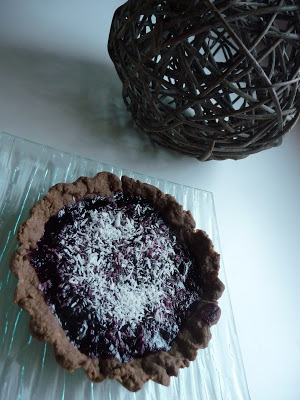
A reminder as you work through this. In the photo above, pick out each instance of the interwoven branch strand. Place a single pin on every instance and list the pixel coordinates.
(211, 79)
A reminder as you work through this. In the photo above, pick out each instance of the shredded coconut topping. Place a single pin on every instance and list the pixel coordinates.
(120, 271)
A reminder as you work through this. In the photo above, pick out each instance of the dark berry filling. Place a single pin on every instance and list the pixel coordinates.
(210, 313)
(115, 276)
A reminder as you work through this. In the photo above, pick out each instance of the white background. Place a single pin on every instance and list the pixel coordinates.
(73, 102)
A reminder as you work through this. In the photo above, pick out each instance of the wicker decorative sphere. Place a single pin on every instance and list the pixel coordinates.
(213, 79)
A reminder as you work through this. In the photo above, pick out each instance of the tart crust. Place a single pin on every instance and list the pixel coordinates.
(45, 326)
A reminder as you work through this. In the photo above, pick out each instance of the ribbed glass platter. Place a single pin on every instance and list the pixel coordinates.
(28, 369)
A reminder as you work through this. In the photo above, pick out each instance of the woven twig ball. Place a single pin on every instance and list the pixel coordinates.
(211, 79)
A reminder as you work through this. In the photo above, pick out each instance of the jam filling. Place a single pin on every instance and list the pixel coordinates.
(115, 276)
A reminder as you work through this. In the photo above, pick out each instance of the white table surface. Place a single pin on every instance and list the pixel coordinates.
(58, 87)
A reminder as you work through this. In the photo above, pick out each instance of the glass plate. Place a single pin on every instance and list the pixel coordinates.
(28, 369)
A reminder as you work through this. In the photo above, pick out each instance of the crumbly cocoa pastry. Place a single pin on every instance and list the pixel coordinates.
(115, 276)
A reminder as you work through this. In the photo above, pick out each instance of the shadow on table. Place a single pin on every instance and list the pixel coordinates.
(92, 91)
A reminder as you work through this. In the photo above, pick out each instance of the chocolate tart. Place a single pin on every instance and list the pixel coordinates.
(115, 276)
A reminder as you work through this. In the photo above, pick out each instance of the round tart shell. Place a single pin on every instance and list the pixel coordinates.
(45, 326)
